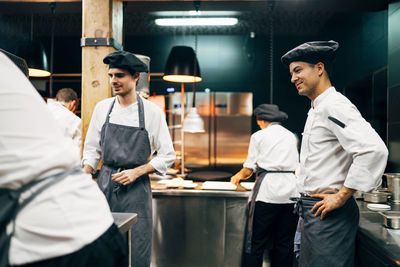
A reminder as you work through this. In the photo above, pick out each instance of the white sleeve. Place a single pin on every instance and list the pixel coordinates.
(77, 134)
(92, 149)
(251, 161)
(163, 144)
(360, 140)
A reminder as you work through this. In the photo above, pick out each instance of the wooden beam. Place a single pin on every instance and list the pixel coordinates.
(100, 19)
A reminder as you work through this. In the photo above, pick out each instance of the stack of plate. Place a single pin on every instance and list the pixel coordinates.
(378, 207)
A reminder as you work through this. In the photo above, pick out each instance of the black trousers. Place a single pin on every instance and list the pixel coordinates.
(109, 250)
(273, 229)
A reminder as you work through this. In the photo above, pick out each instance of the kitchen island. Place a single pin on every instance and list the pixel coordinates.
(194, 227)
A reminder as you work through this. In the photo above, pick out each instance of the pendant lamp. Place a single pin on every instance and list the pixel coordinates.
(182, 66)
(35, 56)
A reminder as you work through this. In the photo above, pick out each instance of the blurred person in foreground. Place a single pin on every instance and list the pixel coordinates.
(51, 212)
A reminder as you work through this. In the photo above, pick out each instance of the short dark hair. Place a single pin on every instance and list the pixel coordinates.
(66, 95)
(328, 67)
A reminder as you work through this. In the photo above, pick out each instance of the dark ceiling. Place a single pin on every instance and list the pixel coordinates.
(289, 17)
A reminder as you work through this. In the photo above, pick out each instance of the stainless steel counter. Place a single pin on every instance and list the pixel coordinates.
(377, 245)
(202, 193)
(198, 227)
(124, 221)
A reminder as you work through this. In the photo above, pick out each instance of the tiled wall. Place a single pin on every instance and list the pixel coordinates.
(394, 86)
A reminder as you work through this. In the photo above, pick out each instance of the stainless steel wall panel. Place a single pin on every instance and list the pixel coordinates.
(197, 230)
(227, 123)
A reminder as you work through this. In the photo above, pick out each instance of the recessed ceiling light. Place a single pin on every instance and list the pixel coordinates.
(197, 22)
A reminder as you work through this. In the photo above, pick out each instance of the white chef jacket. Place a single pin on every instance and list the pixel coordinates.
(348, 152)
(274, 149)
(69, 123)
(155, 124)
(66, 216)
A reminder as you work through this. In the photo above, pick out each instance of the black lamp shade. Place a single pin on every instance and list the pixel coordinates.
(35, 56)
(182, 66)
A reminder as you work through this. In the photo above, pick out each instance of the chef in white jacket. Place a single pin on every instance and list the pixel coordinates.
(131, 136)
(67, 224)
(271, 223)
(340, 153)
(63, 111)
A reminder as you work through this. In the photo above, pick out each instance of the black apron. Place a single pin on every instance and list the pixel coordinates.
(11, 204)
(329, 242)
(250, 215)
(126, 147)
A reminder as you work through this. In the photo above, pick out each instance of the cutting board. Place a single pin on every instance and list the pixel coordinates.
(212, 185)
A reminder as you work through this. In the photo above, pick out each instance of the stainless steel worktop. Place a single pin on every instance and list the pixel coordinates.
(204, 193)
(124, 221)
(383, 242)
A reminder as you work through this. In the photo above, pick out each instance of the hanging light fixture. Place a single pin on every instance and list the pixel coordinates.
(182, 66)
(35, 56)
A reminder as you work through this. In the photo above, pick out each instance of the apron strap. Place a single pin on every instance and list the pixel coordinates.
(140, 111)
(109, 111)
(261, 173)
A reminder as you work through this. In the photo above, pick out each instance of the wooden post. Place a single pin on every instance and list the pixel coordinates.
(100, 19)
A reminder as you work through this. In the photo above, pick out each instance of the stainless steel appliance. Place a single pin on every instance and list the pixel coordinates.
(227, 122)
(393, 181)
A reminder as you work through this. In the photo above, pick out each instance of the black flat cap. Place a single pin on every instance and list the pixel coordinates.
(125, 60)
(312, 52)
(270, 112)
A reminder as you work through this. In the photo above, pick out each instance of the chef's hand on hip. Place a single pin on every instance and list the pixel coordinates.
(328, 203)
(331, 202)
(126, 177)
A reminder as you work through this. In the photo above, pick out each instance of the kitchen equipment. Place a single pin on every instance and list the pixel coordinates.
(393, 182)
(376, 196)
(391, 219)
(210, 176)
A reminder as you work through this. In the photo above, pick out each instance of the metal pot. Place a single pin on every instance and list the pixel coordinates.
(391, 219)
(393, 181)
(376, 197)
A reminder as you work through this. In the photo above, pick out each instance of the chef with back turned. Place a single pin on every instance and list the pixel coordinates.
(125, 131)
(340, 153)
(271, 222)
(52, 214)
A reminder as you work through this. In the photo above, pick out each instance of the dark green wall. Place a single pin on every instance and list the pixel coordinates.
(241, 64)
(394, 87)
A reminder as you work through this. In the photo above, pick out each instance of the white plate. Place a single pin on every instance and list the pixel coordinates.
(247, 185)
(218, 186)
(378, 207)
(193, 185)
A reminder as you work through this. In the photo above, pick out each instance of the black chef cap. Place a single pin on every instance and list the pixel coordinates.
(125, 60)
(312, 52)
(270, 112)
(20, 62)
